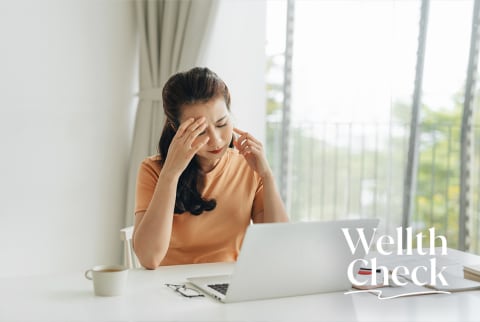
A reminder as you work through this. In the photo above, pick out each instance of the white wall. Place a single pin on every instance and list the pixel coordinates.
(236, 52)
(67, 89)
(67, 78)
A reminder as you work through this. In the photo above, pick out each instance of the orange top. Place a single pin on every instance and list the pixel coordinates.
(216, 235)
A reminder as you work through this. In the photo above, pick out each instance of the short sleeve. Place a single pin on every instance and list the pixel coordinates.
(147, 178)
(257, 206)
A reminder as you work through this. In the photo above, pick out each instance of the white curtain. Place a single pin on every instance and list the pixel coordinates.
(172, 34)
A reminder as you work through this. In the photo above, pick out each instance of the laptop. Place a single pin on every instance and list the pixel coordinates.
(289, 259)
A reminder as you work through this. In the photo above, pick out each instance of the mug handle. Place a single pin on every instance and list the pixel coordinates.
(88, 274)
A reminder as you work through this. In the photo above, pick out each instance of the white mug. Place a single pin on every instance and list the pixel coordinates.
(108, 280)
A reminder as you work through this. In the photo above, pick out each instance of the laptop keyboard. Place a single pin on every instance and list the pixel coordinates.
(221, 288)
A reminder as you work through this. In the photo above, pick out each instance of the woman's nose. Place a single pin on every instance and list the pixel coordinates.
(214, 137)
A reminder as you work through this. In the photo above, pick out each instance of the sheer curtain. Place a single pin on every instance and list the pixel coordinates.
(171, 39)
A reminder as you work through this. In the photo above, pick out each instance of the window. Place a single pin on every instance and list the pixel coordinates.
(351, 83)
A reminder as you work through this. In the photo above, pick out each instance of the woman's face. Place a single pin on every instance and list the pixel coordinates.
(219, 128)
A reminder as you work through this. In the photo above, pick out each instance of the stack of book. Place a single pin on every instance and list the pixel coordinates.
(472, 272)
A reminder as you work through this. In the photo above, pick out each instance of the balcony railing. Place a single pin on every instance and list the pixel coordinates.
(356, 170)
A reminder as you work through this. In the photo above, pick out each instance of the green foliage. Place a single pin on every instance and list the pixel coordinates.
(438, 184)
(352, 170)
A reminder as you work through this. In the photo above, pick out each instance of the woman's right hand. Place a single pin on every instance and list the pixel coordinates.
(185, 144)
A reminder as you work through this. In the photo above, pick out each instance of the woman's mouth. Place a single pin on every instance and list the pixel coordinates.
(216, 151)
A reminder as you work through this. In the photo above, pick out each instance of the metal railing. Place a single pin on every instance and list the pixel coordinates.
(356, 170)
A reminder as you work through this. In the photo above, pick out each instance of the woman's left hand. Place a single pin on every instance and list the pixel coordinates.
(252, 150)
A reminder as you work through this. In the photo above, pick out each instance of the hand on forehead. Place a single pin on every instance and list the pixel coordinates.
(213, 111)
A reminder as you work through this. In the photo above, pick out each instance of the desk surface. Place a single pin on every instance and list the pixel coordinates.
(69, 297)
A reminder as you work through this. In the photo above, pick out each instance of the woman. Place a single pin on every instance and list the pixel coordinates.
(196, 198)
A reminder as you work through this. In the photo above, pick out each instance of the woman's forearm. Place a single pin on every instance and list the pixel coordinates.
(153, 231)
(274, 209)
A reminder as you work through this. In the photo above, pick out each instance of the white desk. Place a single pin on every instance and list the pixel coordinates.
(69, 297)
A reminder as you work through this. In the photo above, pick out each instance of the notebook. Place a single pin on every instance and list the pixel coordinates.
(289, 259)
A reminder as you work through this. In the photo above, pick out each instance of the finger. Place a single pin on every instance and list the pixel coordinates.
(241, 139)
(194, 134)
(245, 136)
(238, 131)
(249, 151)
(183, 126)
(192, 126)
(243, 144)
(249, 136)
(198, 145)
(244, 149)
(236, 144)
(250, 142)
(255, 150)
(195, 125)
(253, 139)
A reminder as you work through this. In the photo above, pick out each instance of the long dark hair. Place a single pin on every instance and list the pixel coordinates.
(197, 85)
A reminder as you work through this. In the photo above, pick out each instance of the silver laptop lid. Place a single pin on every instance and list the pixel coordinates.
(289, 259)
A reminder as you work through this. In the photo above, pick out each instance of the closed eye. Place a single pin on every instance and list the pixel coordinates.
(218, 126)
